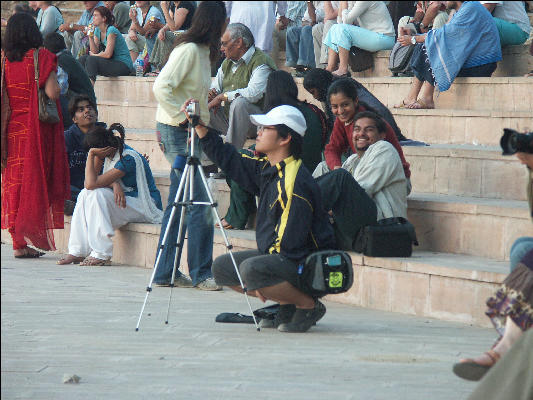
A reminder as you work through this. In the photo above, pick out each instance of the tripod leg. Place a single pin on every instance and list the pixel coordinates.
(227, 243)
(180, 240)
(163, 243)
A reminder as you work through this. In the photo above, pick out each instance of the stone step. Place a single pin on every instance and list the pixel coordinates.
(466, 170)
(516, 62)
(458, 126)
(444, 286)
(444, 223)
(495, 94)
(462, 170)
(437, 126)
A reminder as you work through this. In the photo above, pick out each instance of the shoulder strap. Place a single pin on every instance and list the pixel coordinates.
(36, 65)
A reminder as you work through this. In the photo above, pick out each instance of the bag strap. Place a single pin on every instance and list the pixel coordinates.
(36, 65)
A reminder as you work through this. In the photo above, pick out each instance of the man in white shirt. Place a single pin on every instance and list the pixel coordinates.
(370, 185)
(238, 89)
(511, 20)
(259, 17)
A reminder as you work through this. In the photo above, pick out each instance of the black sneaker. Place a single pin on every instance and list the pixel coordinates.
(284, 315)
(302, 320)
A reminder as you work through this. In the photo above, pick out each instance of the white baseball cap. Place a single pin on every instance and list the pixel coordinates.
(282, 115)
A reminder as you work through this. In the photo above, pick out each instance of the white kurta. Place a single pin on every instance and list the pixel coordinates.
(380, 173)
(259, 17)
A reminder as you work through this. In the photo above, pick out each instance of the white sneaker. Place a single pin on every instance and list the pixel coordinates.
(208, 284)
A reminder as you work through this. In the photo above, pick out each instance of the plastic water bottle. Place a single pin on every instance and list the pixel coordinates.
(139, 67)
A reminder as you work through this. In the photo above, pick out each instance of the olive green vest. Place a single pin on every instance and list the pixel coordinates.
(241, 77)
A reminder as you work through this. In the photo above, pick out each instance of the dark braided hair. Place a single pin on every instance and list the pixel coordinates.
(100, 137)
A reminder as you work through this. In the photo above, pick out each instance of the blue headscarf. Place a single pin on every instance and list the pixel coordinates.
(470, 39)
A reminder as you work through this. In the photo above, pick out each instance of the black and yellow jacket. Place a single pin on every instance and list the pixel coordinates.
(290, 218)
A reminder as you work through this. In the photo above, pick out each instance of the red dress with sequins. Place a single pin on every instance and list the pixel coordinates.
(35, 182)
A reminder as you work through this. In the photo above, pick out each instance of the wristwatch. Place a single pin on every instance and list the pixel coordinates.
(422, 26)
(71, 26)
(413, 39)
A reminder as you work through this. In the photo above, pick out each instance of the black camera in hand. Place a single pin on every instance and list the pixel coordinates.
(513, 142)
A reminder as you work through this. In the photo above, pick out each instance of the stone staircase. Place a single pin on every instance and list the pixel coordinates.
(468, 202)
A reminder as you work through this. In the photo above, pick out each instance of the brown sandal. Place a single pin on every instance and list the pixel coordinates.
(474, 371)
(225, 226)
(94, 262)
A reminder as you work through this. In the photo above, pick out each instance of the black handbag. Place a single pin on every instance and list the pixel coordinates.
(326, 272)
(390, 237)
(360, 60)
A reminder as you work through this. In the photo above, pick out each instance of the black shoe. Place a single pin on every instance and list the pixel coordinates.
(283, 316)
(302, 319)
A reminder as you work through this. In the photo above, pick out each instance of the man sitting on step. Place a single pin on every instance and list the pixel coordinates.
(239, 86)
(370, 186)
(83, 112)
(291, 222)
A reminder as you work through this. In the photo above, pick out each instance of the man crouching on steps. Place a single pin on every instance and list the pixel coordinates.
(291, 222)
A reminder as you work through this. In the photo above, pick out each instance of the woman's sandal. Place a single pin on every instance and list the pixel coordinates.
(225, 224)
(419, 105)
(403, 104)
(69, 259)
(474, 371)
(94, 262)
(28, 253)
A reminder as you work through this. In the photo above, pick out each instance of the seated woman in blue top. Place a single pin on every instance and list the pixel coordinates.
(108, 55)
(119, 188)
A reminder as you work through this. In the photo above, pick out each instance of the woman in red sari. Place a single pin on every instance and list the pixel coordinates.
(35, 174)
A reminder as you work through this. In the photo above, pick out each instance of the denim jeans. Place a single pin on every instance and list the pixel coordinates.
(299, 47)
(519, 249)
(198, 218)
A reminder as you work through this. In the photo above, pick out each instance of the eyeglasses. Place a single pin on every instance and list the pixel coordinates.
(225, 43)
(367, 129)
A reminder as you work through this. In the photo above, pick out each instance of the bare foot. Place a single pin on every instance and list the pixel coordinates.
(487, 359)
(69, 259)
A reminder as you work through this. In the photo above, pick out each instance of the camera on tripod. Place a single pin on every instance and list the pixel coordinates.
(513, 142)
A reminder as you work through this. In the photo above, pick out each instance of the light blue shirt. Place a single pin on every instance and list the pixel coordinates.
(295, 12)
(120, 52)
(153, 11)
(49, 20)
(87, 16)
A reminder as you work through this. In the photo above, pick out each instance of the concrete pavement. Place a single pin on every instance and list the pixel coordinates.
(81, 320)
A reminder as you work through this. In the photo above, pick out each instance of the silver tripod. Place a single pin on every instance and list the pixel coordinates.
(185, 198)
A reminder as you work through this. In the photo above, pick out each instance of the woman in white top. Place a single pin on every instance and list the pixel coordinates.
(49, 18)
(375, 32)
(187, 74)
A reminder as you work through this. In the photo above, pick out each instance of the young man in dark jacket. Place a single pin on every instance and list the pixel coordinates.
(291, 222)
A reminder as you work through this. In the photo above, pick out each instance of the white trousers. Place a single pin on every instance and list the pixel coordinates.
(95, 218)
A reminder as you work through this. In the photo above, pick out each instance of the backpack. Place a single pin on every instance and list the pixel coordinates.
(399, 60)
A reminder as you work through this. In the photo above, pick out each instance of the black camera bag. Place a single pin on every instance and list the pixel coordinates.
(400, 59)
(326, 272)
(390, 237)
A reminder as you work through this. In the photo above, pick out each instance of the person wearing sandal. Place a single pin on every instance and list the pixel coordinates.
(454, 50)
(35, 179)
(374, 33)
(511, 312)
(124, 192)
